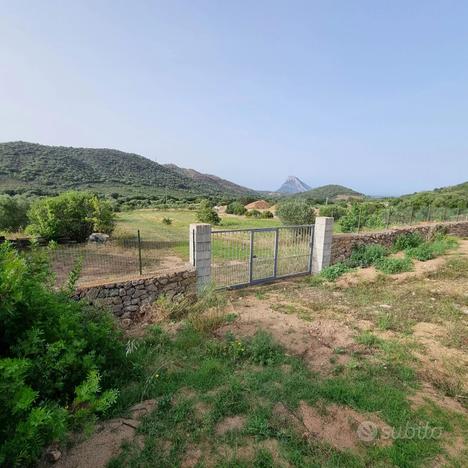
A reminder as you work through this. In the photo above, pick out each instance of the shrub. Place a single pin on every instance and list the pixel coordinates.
(13, 213)
(206, 213)
(335, 211)
(333, 272)
(394, 265)
(429, 250)
(55, 356)
(167, 221)
(422, 252)
(296, 212)
(407, 240)
(267, 214)
(236, 208)
(71, 215)
(253, 214)
(366, 255)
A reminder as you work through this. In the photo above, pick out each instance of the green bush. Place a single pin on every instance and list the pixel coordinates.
(407, 240)
(236, 208)
(333, 272)
(206, 213)
(71, 215)
(266, 215)
(429, 250)
(13, 213)
(167, 221)
(366, 255)
(394, 265)
(296, 212)
(253, 214)
(59, 359)
(335, 211)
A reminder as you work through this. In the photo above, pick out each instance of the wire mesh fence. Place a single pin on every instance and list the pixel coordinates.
(248, 256)
(363, 218)
(117, 258)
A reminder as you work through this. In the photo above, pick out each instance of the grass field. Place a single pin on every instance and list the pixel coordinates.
(150, 224)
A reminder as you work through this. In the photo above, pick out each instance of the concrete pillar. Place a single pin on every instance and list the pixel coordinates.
(321, 250)
(200, 253)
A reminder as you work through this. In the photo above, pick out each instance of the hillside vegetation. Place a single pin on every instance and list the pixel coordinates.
(39, 169)
(222, 185)
(330, 191)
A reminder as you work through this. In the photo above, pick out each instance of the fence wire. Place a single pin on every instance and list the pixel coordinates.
(116, 259)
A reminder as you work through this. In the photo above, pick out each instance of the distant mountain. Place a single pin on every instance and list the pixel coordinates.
(41, 169)
(331, 192)
(293, 185)
(216, 182)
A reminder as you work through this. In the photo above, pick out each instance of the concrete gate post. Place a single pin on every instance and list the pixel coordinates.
(200, 253)
(321, 250)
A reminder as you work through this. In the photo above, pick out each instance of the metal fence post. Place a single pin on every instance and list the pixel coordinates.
(251, 256)
(200, 253)
(275, 267)
(139, 254)
(321, 250)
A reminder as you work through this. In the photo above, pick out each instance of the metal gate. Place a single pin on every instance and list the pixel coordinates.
(249, 256)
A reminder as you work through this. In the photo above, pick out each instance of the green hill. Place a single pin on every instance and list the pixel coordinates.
(331, 192)
(40, 169)
(222, 185)
(451, 197)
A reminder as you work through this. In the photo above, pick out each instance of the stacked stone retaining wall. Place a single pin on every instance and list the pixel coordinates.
(343, 244)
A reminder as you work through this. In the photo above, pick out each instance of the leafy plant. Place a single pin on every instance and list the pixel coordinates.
(266, 214)
(296, 212)
(71, 215)
(50, 345)
(366, 255)
(236, 208)
(167, 221)
(253, 214)
(407, 240)
(13, 213)
(333, 272)
(394, 265)
(206, 214)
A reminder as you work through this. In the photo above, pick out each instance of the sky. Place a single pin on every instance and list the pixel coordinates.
(369, 94)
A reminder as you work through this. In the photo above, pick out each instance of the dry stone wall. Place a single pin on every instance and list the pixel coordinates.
(343, 244)
(126, 298)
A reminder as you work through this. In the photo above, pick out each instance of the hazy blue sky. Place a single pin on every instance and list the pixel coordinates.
(369, 94)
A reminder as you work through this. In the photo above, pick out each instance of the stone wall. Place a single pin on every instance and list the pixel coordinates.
(343, 244)
(126, 298)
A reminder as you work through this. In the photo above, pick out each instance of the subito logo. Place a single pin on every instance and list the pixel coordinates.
(367, 431)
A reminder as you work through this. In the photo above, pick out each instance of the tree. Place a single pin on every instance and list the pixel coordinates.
(206, 213)
(13, 213)
(236, 208)
(71, 215)
(295, 212)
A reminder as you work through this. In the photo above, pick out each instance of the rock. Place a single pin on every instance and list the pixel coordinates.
(53, 454)
(98, 237)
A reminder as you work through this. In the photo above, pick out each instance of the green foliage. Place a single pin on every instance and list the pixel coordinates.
(206, 214)
(431, 249)
(329, 191)
(407, 240)
(296, 212)
(53, 350)
(236, 208)
(266, 214)
(366, 255)
(359, 215)
(167, 221)
(394, 265)
(332, 210)
(333, 272)
(13, 213)
(253, 214)
(48, 170)
(71, 215)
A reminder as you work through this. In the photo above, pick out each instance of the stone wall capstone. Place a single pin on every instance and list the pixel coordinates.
(126, 298)
(343, 244)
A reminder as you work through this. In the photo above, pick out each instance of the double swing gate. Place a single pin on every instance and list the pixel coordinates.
(250, 256)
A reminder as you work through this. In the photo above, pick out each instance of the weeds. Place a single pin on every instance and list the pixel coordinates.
(393, 266)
